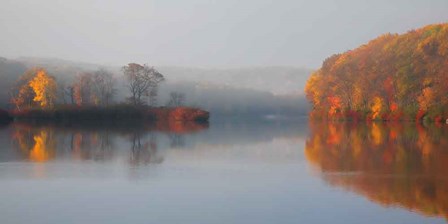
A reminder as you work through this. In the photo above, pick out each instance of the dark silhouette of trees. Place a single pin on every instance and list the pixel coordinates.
(83, 89)
(97, 88)
(103, 87)
(141, 80)
(176, 99)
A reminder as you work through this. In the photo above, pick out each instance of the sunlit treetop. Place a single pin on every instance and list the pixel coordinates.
(391, 77)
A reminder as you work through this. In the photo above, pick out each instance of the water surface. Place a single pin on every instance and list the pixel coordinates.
(230, 172)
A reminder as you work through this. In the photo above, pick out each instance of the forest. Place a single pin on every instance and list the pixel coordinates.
(253, 92)
(90, 97)
(393, 77)
(38, 89)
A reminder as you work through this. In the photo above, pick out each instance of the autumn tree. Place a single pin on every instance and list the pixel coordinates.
(391, 77)
(93, 88)
(45, 89)
(34, 88)
(83, 89)
(141, 79)
(21, 94)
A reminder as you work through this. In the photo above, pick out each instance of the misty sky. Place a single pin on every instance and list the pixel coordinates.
(205, 33)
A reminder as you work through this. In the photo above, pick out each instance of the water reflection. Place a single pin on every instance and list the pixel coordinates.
(44, 142)
(403, 165)
(144, 152)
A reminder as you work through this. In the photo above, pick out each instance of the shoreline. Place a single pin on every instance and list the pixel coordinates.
(118, 114)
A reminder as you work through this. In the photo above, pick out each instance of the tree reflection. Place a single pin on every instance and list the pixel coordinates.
(402, 165)
(35, 145)
(176, 140)
(44, 142)
(40, 144)
(43, 148)
(97, 145)
(144, 153)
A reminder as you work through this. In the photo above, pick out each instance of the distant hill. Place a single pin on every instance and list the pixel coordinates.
(227, 100)
(10, 70)
(391, 77)
(278, 80)
(62, 69)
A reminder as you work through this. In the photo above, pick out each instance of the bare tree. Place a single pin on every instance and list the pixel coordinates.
(69, 91)
(104, 86)
(65, 93)
(176, 99)
(154, 90)
(83, 89)
(152, 96)
(141, 79)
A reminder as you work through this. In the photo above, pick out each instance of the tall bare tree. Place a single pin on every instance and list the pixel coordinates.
(69, 91)
(104, 86)
(83, 89)
(176, 99)
(141, 79)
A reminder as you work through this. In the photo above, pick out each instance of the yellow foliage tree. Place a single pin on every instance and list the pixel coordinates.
(44, 87)
(377, 106)
(393, 77)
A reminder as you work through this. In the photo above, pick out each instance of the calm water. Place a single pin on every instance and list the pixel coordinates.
(230, 172)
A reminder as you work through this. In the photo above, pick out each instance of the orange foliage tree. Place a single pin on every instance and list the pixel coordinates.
(35, 88)
(45, 88)
(391, 77)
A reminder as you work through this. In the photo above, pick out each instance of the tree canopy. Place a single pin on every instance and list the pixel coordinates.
(391, 77)
(34, 88)
(44, 87)
(143, 81)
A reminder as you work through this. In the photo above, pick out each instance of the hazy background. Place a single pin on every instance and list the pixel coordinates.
(204, 33)
(226, 56)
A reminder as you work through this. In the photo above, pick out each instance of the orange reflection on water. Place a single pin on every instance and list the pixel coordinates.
(404, 165)
(44, 142)
(36, 145)
(43, 148)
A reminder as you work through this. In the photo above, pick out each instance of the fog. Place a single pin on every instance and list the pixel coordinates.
(253, 92)
(228, 57)
(204, 33)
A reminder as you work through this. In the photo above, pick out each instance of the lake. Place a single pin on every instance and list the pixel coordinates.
(259, 171)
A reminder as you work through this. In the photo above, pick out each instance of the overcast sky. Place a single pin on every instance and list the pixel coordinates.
(205, 33)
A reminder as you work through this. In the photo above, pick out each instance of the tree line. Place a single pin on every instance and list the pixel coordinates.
(36, 88)
(393, 77)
